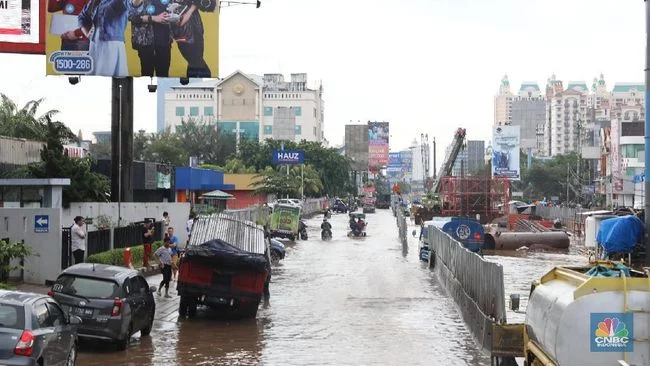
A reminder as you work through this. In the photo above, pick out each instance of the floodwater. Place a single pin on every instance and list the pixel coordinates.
(366, 301)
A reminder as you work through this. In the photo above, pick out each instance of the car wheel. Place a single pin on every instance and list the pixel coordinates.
(122, 344)
(72, 356)
(183, 306)
(191, 310)
(275, 256)
(147, 330)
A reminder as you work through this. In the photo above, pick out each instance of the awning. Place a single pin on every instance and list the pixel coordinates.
(217, 195)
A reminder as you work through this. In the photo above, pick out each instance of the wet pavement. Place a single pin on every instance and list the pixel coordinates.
(366, 301)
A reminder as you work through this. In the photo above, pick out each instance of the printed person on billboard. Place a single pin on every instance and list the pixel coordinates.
(151, 36)
(104, 23)
(187, 30)
(72, 39)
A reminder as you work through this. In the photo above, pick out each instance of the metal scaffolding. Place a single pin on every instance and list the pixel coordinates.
(471, 196)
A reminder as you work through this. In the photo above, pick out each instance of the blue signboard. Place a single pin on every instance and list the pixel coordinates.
(394, 160)
(288, 157)
(41, 223)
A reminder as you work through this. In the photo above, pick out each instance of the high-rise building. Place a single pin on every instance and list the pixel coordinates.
(529, 112)
(292, 104)
(356, 146)
(503, 103)
(251, 106)
(566, 116)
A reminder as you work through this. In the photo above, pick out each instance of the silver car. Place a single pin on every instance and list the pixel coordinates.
(35, 331)
(113, 302)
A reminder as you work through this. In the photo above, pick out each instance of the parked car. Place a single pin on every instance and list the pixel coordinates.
(34, 330)
(277, 250)
(287, 201)
(113, 302)
(340, 206)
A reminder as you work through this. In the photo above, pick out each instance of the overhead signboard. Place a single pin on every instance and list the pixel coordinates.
(506, 142)
(125, 38)
(288, 157)
(21, 26)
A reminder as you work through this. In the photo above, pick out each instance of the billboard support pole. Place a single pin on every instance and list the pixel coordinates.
(122, 140)
(647, 135)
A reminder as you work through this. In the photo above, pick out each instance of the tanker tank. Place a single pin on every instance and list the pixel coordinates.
(576, 319)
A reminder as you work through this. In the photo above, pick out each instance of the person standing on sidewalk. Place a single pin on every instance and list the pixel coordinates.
(78, 240)
(165, 258)
(174, 249)
(147, 241)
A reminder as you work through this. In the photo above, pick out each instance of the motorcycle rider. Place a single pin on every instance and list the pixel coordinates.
(326, 225)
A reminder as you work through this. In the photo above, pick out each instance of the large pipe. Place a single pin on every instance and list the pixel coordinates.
(516, 240)
(647, 132)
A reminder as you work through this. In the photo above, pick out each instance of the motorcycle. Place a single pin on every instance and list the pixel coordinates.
(328, 214)
(326, 234)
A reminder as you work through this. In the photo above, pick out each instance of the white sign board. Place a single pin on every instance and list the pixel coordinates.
(19, 21)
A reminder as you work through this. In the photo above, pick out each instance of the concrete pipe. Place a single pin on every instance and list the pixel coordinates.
(516, 240)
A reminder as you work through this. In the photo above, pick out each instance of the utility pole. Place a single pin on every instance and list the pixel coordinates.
(567, 182)
(647, 133)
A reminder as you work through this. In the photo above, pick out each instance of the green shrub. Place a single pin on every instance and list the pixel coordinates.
(6, 286)
(116, 256)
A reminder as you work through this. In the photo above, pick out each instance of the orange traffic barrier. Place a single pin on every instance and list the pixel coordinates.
(127, 258)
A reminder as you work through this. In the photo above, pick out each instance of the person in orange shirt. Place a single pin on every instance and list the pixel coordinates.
(73, 40)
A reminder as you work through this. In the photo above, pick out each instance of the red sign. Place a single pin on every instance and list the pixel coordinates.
(370, 189)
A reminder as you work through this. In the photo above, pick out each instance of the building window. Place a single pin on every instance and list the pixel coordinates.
(194, 111)
(298, 130)
(633, 151)
(630, 171)
(268, 130)
(180, 111)
(268, 111)
(298, 111)
(208, 111)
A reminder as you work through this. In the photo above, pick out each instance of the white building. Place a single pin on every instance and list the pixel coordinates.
(566, 116)
(292, 111)
(503, 104)
(251, 106)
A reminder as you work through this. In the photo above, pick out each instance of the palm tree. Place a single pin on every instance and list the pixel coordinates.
(25, 122)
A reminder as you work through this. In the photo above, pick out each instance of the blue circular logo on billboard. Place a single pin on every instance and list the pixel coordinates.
(164, 2)
(151, 9)
(69, 8)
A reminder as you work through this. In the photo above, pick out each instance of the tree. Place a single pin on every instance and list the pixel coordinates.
(25, 123)
(233, 166)
(85, 186)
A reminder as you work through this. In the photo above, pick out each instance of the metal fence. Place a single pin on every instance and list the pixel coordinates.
(565, 214)
(475, 284)
(128, 236)
(260, 214)
(243, 234)
(98, 241)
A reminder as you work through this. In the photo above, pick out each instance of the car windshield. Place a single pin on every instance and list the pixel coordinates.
(87, 287)
(12, 316)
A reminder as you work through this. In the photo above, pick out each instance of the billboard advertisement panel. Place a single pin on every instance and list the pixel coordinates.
(119, 38)
(288, 157)
(506, 145)
(394, 160)
(21, 26)
(377, 145)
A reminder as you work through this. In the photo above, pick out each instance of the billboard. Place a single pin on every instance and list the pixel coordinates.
(288, 157)
(506, 145)
(394, 160)
(377, 145)
(119, 38)
(21, 26)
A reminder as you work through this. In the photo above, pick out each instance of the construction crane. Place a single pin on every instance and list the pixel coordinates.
(432, 202)
(448, 164)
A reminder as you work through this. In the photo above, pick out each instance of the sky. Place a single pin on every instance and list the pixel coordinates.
(426, 66)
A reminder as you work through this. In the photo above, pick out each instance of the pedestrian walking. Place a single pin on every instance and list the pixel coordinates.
(175, 251)
(78, 240)
(164, 256)
(147, 241)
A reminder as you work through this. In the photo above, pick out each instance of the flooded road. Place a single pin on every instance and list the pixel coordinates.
(343, 302)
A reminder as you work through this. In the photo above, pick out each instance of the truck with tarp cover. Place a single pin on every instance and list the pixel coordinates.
(226, 265)
(285, 222)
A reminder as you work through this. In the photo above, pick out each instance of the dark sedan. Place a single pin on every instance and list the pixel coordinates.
(114, 302)
(34, 330)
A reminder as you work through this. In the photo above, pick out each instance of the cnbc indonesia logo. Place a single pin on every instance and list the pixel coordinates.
(612, 332)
